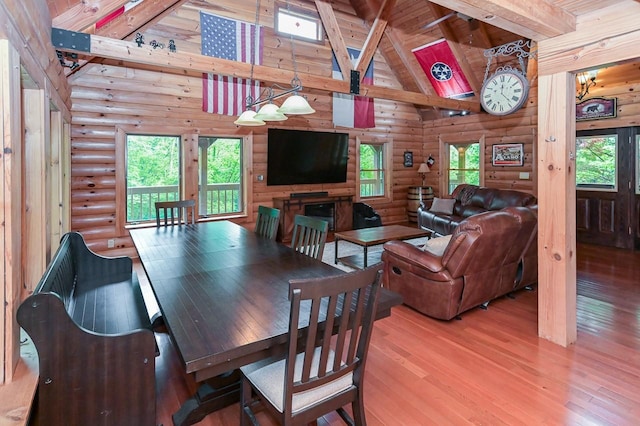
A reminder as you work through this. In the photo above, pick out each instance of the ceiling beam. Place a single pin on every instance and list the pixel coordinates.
(86, 13)
(373, 38)
(182, 62)
(533, 19)
(339, 47)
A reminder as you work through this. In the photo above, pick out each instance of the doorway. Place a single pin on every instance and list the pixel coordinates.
(607, 187)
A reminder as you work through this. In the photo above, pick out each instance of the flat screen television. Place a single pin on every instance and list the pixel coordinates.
(306, 157)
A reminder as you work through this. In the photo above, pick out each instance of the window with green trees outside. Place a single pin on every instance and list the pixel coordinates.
(372, 173)
(464, 164)
(596, 161)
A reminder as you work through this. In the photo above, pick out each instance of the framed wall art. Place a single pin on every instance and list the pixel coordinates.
(508, 154)
(596, 109)
(408, 159)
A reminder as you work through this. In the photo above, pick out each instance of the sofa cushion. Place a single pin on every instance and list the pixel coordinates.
(437, 245)
(442, 205)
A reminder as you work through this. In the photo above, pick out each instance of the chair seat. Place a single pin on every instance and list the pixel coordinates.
(270, 379)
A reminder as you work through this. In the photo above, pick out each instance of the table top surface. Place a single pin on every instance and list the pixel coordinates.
(380, 234)
(223, 290)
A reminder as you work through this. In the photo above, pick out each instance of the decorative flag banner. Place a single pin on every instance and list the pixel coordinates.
(119, 11)
(353, 111)
(236, 41)
(440, 64)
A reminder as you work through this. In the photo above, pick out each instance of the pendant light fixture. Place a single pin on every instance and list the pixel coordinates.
(293, 105)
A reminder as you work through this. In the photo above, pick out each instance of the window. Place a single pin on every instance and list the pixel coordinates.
(464, 164)
(373, 163)
(298, 25)
(152, 174)
(596, 161)
(220, 176)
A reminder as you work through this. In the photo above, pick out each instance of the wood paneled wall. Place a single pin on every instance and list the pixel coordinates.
(107, 97)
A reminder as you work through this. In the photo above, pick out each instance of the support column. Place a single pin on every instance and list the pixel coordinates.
(557, 209)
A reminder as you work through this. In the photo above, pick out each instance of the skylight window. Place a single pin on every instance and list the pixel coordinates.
(298, 25)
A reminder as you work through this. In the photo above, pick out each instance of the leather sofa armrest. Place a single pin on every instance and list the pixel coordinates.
(414, 255)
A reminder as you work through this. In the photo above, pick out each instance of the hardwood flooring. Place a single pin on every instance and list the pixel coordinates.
(490, 368)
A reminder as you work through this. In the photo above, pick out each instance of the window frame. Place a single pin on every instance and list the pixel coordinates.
(303, 14)
(189, 172)
(445, 160)
(597, 187)
(387, 152)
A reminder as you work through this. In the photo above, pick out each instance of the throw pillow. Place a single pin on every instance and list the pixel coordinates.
(437, 245)
(442, 205)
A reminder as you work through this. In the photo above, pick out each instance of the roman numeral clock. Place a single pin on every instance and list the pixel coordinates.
(504, 92)
(507, 89)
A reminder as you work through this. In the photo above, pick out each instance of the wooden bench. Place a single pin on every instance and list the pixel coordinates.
(96, 349)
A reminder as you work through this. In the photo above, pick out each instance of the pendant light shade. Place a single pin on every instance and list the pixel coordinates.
(248, 118)
(269, 112)
(296, 105)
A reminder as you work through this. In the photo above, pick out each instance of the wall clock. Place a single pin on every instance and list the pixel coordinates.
(504, 92)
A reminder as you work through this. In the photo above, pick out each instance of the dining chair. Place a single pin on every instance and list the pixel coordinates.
(309, 235)
(267, 222)
(323, 369)
(175, 210)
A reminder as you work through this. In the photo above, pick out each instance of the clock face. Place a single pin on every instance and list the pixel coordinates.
(504, 92)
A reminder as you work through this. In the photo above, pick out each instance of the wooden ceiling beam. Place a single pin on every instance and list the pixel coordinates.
(331, 27)
(86, 13)
(533, 19)
(182, 62)
(373, 38)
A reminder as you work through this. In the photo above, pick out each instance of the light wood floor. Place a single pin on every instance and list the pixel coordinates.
(490, 368)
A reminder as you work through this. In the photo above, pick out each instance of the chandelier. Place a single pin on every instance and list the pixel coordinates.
(293, 105)
(586, 79)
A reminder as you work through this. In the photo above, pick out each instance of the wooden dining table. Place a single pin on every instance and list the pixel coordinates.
(223, 295)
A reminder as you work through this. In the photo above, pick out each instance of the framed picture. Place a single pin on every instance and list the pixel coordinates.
(508, 154)
(596, 109)
(408, 159)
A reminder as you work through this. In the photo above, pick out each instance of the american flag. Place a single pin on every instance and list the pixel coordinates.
(237, 41)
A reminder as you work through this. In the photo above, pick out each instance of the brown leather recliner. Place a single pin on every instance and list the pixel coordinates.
(469, 273)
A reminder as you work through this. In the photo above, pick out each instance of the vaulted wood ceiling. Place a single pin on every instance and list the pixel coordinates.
(393, 27)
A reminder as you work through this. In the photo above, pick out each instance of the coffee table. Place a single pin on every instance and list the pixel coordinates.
(367, 237)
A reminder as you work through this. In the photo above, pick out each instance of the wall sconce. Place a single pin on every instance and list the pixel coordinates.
(423, 170)
(586, 79)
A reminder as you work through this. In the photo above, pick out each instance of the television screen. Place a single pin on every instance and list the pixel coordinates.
(303, 157)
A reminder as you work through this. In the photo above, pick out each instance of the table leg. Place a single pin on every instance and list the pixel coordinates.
(212, 395)
(365, 257)
(335, 252)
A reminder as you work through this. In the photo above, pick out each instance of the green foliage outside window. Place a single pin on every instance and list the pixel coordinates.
(371, 170)
(152, 162)
(596, 161)
(464, 165)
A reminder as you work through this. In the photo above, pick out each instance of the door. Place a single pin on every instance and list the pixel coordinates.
(606, 187)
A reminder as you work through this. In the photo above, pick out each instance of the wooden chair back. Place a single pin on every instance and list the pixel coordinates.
(309, 236)
(340, 313)
(175, 211)
(267, 222)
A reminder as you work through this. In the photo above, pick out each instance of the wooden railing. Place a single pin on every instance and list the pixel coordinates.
(221, 198)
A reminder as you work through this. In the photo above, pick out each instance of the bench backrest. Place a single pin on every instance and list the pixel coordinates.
(60, 275)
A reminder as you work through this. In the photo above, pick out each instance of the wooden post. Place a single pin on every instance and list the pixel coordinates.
(36, 148)
(10, 213)
(557, 209)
